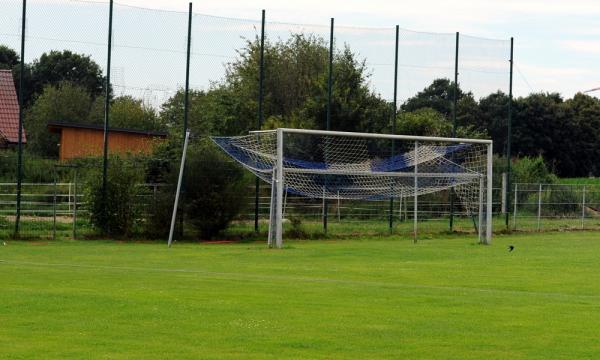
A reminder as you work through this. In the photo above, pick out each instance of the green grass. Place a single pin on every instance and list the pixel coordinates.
(366, 298)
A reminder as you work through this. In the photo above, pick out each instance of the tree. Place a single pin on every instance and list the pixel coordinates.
(8, 58)
(57, 66)
(295, 89)
(493, 118)
(438, 96)
(584, 145)
(429, 122)
(540, 125)
(127, 112)
(66, 102)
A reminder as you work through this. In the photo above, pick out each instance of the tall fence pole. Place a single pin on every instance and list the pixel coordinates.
(186, 106)
(261, 78)
(509, 130)
(20, 140)
(107, 106)
(454, 102)
(394, 114)
(329, 92)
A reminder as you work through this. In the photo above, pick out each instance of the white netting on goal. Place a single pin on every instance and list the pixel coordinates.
(369, 168)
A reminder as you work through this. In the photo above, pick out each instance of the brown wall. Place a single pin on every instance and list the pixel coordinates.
(77, 143)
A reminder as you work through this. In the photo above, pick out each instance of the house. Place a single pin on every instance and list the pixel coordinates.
(77, 141)
(9, 111)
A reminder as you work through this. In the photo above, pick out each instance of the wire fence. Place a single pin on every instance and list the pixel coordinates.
(60, 210)
(289, 65)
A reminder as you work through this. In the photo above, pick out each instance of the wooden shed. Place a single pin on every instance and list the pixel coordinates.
(77, 141)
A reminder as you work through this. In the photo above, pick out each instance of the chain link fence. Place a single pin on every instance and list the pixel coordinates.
(288, 63)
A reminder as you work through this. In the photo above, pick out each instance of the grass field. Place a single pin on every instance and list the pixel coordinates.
(366, 298)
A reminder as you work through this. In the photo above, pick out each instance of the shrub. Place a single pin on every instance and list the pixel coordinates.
(215, 190)
(118, 213)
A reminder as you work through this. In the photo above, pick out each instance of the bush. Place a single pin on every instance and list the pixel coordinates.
(529, 170)
(119, 212)
(215, 190)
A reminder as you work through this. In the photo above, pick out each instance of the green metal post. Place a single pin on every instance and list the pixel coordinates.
(394, 114)
(454, 104)
(509, 135)
(330, 77)
(260, 110)
(107, 105)
(329, 92)
(20, 141)
(187, 73)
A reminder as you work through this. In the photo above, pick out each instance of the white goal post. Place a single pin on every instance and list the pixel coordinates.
(350, 165)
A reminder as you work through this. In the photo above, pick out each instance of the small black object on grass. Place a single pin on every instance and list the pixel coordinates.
(510, 248)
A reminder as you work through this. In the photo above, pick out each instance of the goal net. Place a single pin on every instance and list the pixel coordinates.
(362, 166)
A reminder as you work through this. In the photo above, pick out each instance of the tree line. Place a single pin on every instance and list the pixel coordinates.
(69, 87)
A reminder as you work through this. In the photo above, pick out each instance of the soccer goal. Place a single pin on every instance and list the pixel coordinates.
(363, 166)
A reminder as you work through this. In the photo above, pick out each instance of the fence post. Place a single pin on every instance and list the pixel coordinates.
(324, 210)
(339, 211)
(539, 215)
(54, 208)
(515, 209)
(583, 209)
(503, 195)
(75, 206)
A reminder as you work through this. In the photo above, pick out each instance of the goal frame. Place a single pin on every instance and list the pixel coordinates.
(275, 238)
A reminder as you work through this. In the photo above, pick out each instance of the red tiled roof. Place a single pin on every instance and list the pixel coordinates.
(9, 108)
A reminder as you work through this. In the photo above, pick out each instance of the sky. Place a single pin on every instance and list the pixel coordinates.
(556, 43)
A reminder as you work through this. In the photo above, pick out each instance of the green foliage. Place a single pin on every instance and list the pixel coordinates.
(214, 194)
(65, 102)
(118, 212)
(295, 87)
(8, 57)
(129, 113)
(429, 122)
(524, 170)
(56, 67)
(35, 168)
(296, 230)
(532, 171)
(438, 96)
